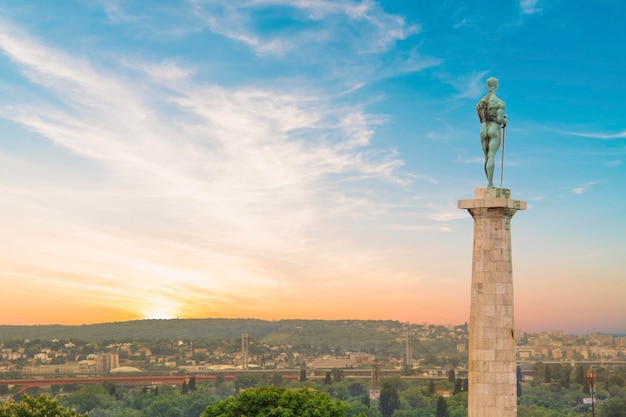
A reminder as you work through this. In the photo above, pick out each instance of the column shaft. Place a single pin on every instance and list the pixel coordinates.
(492, 363)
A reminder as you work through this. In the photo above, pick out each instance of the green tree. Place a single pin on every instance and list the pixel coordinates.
(400, 383)
(565, 380)
(415, 398)
(458, 386)
(442, 408)
(614, 407)
(341, 392)
(327, 378)
(277, 380)
(457, 405)
(278, 402)
(57, 361)
(432, 388)
(581, 375)
(192, 383)
(129, 412)
(538, 373)
(41, 406)
(616, 380)
(164, 406)
(195, 403)
(358, 409)
(302, 376)
(547, 375)
(389, 399)
(451, 375)
(337, 374)
(565, 375)
(245, 381)
(219, 378)
(356, 389)
(89, 397)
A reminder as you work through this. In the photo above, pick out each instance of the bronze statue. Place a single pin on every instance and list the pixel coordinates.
(492, 123)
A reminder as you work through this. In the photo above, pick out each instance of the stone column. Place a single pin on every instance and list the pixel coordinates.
(492, 364)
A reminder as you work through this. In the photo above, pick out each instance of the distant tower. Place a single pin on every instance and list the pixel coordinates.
(492, 368)
(409, 347)
(245, 345)
(375, 391)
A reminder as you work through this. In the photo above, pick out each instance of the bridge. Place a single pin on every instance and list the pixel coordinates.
(179, 379)
(121, 380)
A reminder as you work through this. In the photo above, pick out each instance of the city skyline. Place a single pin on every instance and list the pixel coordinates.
(280, 159)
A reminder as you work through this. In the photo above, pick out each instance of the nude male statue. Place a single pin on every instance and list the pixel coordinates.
(492, 120)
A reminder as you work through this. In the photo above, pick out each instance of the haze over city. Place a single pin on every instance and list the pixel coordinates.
(303, 159)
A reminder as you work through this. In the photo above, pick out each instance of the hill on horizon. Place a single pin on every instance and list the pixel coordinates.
(348, 333)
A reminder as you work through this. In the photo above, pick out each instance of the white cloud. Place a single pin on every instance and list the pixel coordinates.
(162, 71)
(446, 216)
(472, 86)
(595, 135)
(462, 23)
(529, 6)
(373, 30)
(116, 14)
(205, 186)
(469, 85)
(584, 187)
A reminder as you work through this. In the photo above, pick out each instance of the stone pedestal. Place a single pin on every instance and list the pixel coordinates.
(492, 364)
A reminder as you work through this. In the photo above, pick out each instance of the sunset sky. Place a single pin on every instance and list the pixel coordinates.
(304, 158)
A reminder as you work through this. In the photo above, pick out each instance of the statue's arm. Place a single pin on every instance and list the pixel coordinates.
(501, 118)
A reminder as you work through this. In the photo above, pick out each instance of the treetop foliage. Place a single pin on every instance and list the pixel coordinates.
(278, 402)
(41, 406)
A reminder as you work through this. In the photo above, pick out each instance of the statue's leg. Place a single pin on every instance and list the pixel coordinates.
(484, 141)
(494, 145)
(484, 138)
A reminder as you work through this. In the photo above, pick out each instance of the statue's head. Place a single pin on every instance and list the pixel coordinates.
(492, 83)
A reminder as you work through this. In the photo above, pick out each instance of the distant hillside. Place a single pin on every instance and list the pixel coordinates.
(139, 330)
(362, 334)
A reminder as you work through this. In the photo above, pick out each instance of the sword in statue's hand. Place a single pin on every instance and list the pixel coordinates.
(502, 171)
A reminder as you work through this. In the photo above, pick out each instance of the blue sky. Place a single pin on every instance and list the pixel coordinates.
(304, 158)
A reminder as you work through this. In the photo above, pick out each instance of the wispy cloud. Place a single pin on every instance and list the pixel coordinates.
(615, 163)
(584, 187)
(595, 135)
(162, 71)
(470, 160)
(529, 6)
(116, 13)
(207, 188)
(462, 23)
(410, 63)
(448, 215)
(469, 85)
(371, 29)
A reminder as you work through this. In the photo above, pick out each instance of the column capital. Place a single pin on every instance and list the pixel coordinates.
(492, 198)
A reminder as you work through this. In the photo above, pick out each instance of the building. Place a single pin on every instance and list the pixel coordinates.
(107, 361)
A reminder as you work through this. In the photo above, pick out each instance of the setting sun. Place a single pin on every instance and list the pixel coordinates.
(160, 309)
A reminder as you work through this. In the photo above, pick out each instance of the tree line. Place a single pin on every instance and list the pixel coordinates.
(556, 390)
